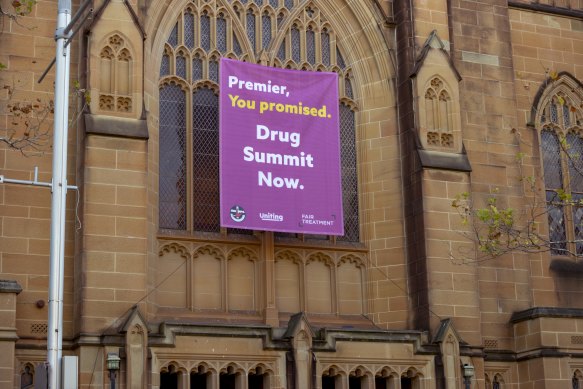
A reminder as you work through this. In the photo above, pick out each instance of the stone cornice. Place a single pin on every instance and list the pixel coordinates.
(555, 312)
(549, 9)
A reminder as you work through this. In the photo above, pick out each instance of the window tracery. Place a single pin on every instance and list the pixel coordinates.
(115, 72)
(438, 115)
(188, 98)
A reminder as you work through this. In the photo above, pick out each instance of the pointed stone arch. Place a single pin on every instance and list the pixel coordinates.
(115, 82)
(289, 281)
(436, 94)
(563, 84)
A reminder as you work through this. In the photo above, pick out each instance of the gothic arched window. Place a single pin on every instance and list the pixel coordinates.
(438, 114)
(115, 72)
(560, 119)
(577, 379)
(282, 34)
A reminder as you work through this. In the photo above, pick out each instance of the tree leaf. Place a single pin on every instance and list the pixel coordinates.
(554, 75)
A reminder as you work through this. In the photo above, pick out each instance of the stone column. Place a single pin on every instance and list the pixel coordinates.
(8, 292)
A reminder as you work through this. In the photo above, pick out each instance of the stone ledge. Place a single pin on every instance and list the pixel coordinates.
(549, 9)
(533, 313)
(446, 161)
(567, 267)
(8, 334)
(115, 126)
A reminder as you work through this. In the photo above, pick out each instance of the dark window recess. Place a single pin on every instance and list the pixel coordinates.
(406, 383)
(168, 381)
(380, 383)
(227, 381)
(328, 382)
(198, 381)
(255, 381)
(354, 382)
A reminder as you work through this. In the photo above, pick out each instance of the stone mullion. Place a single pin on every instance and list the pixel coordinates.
(213, 26)
(189, 160)
(224, 285)
(287, 42)
(567, 207)
(184, 381)
(363, 288)
(114, 79)
(341, 381)
(269, 284)
(333, 59)
(318, 44)
(303, 45)
(189, 285)
(241, 381)
(367, 382)
(302, 274)
(214, 380)
(229, 33)
(180, 29)
(334, 287)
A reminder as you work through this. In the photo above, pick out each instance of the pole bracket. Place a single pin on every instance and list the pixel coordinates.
(61, 33)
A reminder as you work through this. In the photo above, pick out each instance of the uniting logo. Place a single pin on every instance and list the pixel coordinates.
(237, 213)
(270, 217)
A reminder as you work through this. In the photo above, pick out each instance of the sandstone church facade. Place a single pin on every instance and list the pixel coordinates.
(438, 98)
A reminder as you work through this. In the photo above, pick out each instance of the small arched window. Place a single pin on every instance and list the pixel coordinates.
(577, 379)
(170, 378)
(332, 379)
(27, 377)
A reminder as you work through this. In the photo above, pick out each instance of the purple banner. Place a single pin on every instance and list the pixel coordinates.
(279, 150)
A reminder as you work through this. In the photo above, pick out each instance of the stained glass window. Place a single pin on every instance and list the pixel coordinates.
(325, 48)
(266, 28)
(172, 157)
(188, 103)
(222, 34)
(295, 41)
(251, 28)
(562, 155)
(189, 30)
(205, 32)
(311, 46)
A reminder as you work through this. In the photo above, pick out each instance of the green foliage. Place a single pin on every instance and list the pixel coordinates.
(494, 225)
(23, 7)
(497, 229)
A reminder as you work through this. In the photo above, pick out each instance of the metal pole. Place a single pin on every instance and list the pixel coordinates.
(112, 377)
(58, 200)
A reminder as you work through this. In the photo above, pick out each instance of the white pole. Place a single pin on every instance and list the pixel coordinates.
(58, 200)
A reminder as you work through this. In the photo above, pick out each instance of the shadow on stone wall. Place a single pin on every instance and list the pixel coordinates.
(568, 277)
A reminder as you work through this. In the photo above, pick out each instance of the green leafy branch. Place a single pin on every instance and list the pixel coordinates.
(497, 229)
(19, 8)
